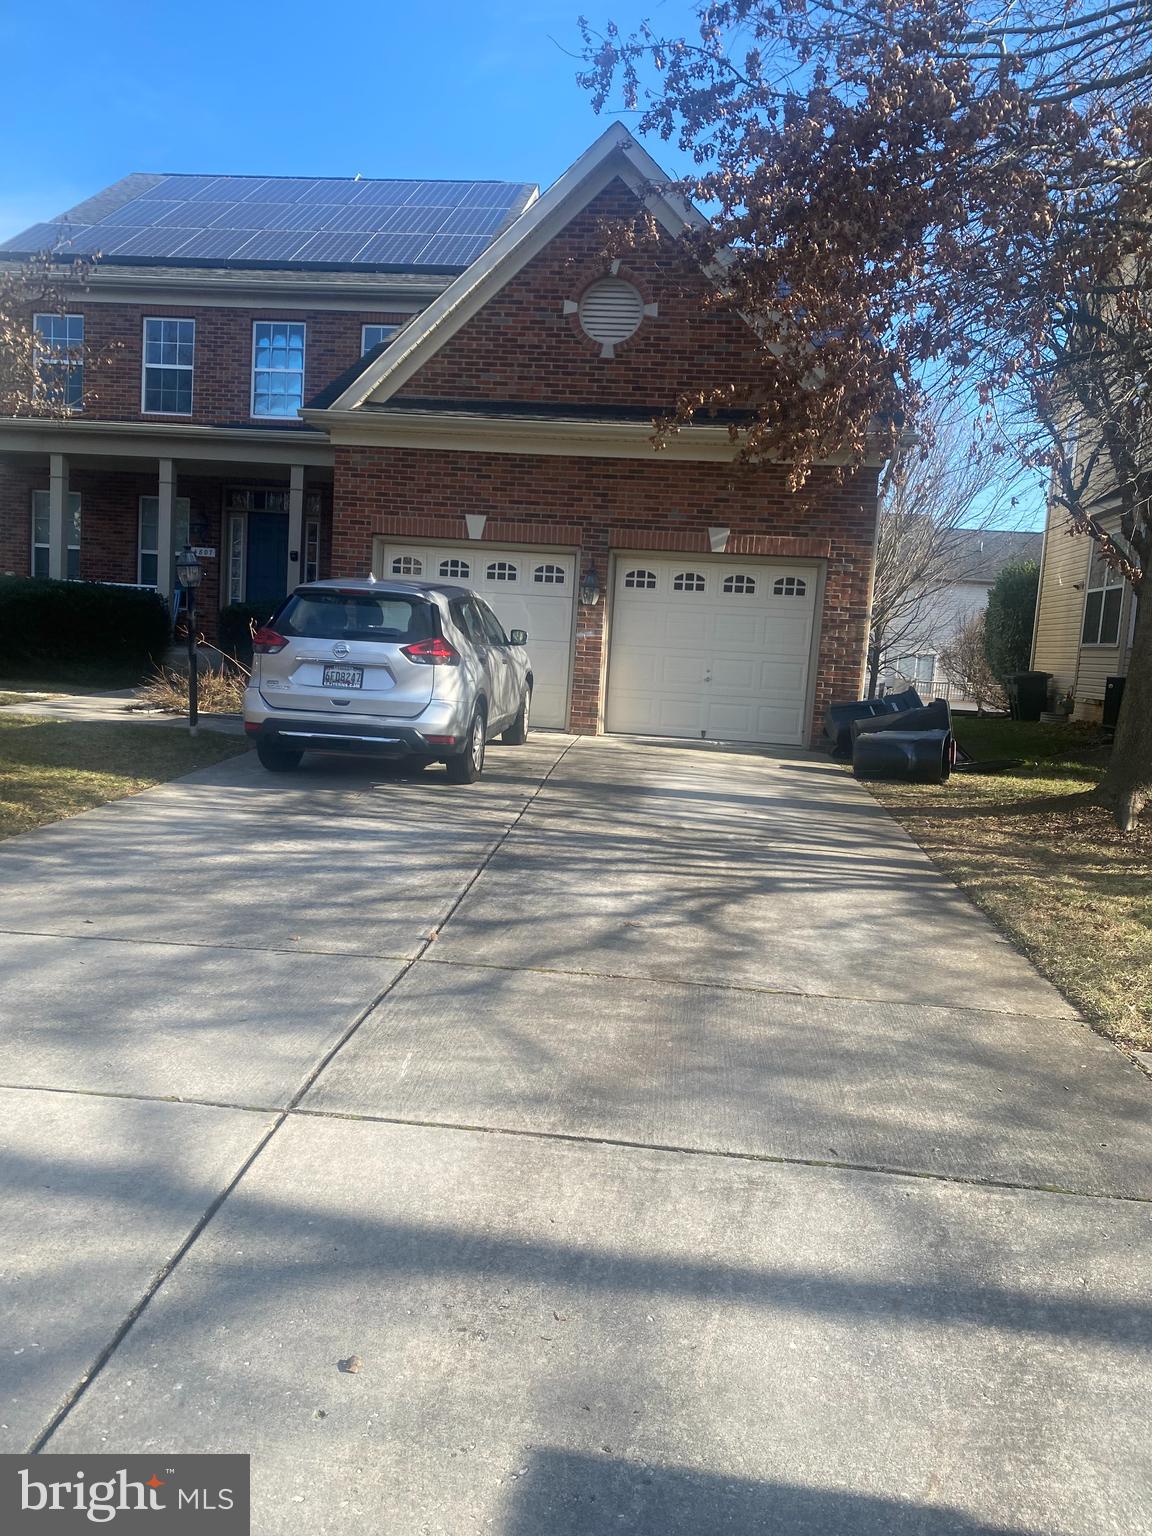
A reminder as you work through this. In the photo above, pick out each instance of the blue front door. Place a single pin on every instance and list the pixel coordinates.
(267, 557)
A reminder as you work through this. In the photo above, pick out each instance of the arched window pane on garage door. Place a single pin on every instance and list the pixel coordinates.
(740, 586)
(407, 565)
(501, 570)
(688, 581)
(789, 586)
(645, 579)
(549, 575)
(455, 569)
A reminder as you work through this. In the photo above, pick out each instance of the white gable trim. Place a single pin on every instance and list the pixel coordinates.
(614, 154)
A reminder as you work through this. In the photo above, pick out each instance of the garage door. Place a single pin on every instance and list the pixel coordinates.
(711, 650)
(526, 589)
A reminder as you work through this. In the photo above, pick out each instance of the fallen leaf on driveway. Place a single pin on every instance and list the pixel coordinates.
(351, 1365)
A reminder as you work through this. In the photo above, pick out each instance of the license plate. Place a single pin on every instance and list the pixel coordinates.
(343, 677)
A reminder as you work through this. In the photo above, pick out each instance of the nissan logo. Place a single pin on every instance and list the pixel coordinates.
(339, 649)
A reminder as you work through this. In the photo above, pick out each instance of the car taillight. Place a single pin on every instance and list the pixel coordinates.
(266, 642)
(432, 653)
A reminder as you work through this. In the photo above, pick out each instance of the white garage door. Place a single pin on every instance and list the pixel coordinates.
(526, 589)
(712, 650)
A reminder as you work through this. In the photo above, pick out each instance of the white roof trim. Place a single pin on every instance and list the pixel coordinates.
(615, 153)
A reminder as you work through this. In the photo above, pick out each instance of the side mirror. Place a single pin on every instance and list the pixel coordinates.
(519, 637)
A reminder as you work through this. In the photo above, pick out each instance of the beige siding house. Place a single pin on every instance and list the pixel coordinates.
(1084, 618)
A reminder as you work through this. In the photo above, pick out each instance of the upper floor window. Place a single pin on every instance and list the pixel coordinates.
(42, 534)
(372, 335)
(60, 359)
(169, 347)
(1102, 605)
(277, 368)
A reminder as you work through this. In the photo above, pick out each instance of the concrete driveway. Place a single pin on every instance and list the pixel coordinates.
(679, 1151)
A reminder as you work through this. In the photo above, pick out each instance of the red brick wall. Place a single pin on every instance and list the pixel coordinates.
(222, 382)
(601, 504)
(521, 346)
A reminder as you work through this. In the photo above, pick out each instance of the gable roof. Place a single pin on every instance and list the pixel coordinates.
(980, 554)
(283, 221)
(615, 154)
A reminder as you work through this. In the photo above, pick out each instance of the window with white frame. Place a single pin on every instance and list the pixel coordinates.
(688, 581)
(455, 569)
(277, 367)
(42, 534)
(60, 359)
(645, 580)
(407, 565)
(237, 553)
(372, 335)
(917, 669)
(501, 570)
(549, 575)
(169, 355)
(740, 586)
(1103, 603)
(789, 586)
(148, 544)
(311, 548)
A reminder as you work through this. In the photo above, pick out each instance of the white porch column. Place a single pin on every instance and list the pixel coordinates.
(165, 532)
(58, 521)
(294, 573)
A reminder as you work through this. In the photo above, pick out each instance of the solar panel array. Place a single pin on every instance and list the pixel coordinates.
(290, 219)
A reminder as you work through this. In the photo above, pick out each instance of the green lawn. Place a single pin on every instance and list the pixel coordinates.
(1073, 893)
(50, 769)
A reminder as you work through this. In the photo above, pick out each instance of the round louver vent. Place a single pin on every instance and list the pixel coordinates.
(610, 311)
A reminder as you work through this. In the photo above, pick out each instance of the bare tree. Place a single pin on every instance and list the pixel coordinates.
(937, 495)
(34, 368)
(965, 663)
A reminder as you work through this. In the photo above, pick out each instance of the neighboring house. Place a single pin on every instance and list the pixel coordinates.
(330, 377)
(978, 555)
(1085, 617)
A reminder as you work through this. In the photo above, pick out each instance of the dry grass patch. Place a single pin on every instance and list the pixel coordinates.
(217, 693)
(1073, 893)
(50, 769)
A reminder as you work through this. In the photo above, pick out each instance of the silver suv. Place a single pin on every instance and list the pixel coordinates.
(400, 668)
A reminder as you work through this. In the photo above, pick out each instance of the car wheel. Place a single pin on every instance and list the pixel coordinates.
(467, 766)
(277, 759)
(517, 733)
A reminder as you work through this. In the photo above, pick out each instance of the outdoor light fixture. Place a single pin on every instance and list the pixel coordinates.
(189, 573)
(590, 588)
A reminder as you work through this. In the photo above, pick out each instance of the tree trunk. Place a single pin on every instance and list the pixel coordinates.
(874, 650)
(1127, 784)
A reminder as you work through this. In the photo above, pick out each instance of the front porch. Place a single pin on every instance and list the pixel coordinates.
(93, 502)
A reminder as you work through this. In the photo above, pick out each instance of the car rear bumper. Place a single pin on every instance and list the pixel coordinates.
(305, 733)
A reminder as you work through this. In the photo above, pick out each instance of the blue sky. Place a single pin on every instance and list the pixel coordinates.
(453, 89)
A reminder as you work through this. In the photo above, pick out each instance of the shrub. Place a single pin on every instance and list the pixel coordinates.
(965, 663)
(236, 628)
(220, 693)
(46, 625)
(1008, 618)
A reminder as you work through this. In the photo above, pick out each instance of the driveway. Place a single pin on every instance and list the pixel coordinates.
(680, 1152)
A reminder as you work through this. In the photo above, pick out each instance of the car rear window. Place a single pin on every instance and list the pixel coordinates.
(390, 617)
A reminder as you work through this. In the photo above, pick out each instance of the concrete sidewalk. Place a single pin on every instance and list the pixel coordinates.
(679, 1151)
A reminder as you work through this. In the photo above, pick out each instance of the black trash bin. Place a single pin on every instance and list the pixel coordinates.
(1027, 694)
(918, 757)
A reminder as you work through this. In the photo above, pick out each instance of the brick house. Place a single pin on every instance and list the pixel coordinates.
(470, 397)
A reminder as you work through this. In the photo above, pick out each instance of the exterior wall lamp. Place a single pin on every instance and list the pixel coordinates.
(590, 588)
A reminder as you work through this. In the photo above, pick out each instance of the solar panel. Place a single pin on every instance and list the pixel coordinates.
(451, 250)
(288, 218)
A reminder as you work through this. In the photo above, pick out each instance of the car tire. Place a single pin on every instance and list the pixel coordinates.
(277, 759)
(467, 766)
(517, 733)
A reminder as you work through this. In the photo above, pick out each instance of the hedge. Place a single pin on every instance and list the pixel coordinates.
(236, 628)
(51, 623)
(1008, 618)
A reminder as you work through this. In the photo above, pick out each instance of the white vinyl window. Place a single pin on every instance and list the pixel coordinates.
(457, 569)
(42, 534)
(549, 575)
(1102, 603)
(169, 355)
(372, 335)
(917, 669)
(688, 581)
(237, 555)
(789, 586)
(407, 565)
(644, 579)
(501, 570)
(148, 546)
(740, 586)
(277, 368)
(60, 359)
